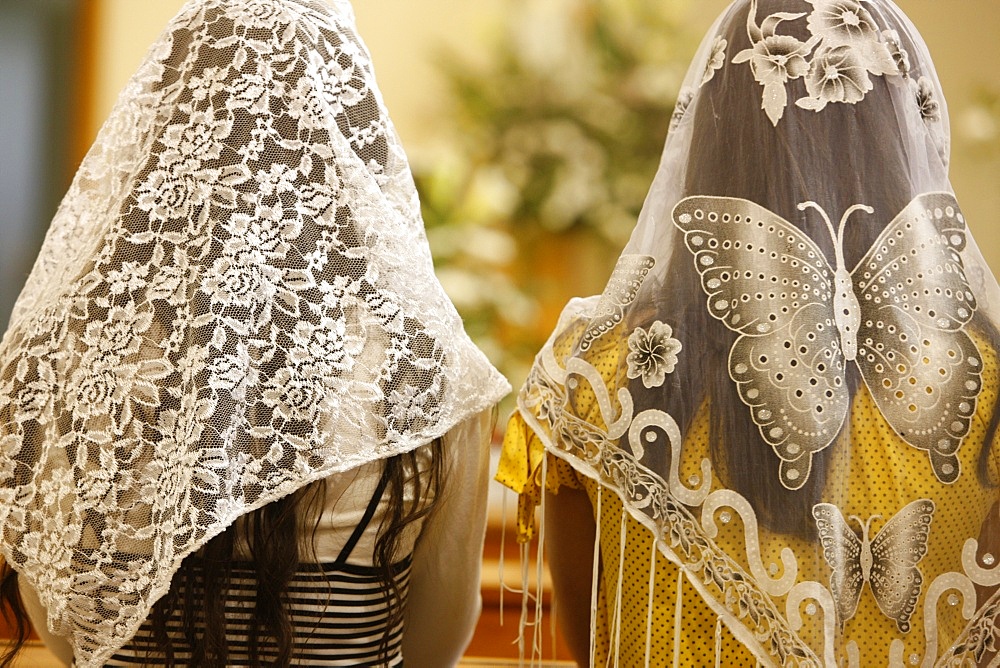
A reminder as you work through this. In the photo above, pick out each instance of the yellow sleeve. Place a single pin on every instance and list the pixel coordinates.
(523, 452)
(520, 470)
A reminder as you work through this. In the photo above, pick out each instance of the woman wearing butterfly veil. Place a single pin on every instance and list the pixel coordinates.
(241, 423)
(774, 431)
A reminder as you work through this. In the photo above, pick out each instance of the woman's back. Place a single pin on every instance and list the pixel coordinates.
(235, 300)
(782, 411)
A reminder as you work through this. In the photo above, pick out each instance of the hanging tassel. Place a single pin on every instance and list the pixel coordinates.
(718, 642)
(503, 548)
(677, 618)
(595, 574)
(618, 592)
(649, 608)
(538, 630)
(525, 595)
(524, 551)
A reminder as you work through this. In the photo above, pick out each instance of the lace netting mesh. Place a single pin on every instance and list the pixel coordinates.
(234, 299)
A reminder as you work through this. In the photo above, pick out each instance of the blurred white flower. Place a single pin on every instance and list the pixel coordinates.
(978, 124)
(489, 245)
(463, 287)
(491, 194)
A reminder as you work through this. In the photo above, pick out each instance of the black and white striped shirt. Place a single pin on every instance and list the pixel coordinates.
(338, 610)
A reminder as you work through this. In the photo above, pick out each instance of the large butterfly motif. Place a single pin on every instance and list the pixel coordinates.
(887, 562)
(899, 315)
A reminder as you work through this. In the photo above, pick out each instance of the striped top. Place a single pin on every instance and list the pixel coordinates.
(443, 602)
(339, 613)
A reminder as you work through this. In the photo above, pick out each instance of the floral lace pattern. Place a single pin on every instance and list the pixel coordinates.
(979, 643)
(716, 61)
(235, 298)
(845, 49)
(930, 109)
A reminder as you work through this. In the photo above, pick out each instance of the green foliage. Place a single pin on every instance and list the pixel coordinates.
(555, 132)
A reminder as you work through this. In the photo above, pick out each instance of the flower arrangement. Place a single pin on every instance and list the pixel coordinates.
(553, 139)
(552, 134)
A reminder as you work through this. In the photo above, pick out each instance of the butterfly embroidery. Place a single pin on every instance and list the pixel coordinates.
(887, 562)
(899, 315)
(622, 288)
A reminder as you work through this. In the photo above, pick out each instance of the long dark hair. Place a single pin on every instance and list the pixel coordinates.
(736, 151)
(273, 533)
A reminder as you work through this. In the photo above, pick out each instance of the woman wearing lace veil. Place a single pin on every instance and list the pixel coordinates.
(775, 430)
(232, 386)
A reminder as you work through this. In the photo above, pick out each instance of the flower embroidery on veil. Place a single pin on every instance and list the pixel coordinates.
(844, 50)
(716, 60)
(652, 353)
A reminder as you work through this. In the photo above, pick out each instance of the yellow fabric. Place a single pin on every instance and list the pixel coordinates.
(877, 476)
(698, 623)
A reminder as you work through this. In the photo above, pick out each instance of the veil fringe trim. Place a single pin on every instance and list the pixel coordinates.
(753, 617)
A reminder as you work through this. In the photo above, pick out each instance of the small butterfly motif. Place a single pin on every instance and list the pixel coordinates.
(887, 562)
(622, 288)
(899, 315)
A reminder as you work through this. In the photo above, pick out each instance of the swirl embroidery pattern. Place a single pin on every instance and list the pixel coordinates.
(761, 602)
(650, 500)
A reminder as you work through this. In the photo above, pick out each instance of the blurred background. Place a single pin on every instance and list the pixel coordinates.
(533, 129)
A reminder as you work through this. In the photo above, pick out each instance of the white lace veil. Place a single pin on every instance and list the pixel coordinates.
(235, 298)
(791, 377)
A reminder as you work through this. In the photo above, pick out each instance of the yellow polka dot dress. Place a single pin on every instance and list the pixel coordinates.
(684, 621)
(779, 418)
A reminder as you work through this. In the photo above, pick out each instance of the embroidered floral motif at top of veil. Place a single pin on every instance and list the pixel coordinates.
(845, 48)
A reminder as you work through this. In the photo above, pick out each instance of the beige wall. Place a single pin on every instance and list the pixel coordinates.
(403, 35)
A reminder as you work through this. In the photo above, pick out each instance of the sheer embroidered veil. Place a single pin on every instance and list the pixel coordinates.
(235, 298)
(800, 264)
